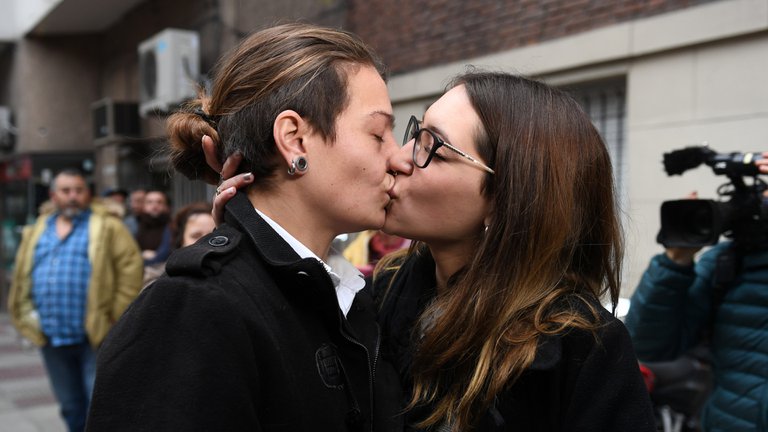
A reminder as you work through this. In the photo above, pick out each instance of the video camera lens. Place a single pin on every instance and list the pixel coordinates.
(690, 223)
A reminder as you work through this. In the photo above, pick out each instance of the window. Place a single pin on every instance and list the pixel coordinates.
(605, 103)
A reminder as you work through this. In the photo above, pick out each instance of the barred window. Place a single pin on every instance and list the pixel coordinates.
(605, 103)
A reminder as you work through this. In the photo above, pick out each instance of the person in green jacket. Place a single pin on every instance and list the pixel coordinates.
(77, 269)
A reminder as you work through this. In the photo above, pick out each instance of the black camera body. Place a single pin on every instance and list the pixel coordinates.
(698, 222)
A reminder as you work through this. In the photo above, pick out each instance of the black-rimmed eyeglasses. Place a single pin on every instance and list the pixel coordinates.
(426, 144)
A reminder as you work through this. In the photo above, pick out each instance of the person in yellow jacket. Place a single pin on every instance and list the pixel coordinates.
(369, 246)
(76, 271)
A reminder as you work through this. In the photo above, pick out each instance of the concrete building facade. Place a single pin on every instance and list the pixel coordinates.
(687, 72)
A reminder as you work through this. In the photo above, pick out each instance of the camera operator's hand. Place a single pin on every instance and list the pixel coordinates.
(680, 255)
(762, 164)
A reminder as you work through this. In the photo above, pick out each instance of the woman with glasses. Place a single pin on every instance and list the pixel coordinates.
(493, 317)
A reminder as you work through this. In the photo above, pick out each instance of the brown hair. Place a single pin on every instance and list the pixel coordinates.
(180, 219)
(552, 249)
(300, 67)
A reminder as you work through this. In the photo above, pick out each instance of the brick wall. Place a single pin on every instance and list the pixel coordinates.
(221, 25)
(412, 34)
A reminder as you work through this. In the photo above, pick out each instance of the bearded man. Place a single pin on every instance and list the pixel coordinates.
(77, 269)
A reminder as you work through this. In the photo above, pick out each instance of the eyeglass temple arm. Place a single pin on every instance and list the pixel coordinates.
(470, 158)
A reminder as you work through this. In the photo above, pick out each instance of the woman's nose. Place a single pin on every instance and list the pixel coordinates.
(401, 161)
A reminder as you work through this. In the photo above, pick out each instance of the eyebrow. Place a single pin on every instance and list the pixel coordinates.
(443, 135)
(389, 117)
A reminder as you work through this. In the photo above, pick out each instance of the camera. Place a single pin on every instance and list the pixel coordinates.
(739, 214)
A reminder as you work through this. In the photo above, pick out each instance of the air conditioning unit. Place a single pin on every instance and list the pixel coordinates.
(113, 121)
(169, 67)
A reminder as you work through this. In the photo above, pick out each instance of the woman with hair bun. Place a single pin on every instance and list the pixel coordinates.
(250, 329)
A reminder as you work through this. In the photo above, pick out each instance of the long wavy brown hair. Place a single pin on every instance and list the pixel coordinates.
(554, 240)
(301, 67)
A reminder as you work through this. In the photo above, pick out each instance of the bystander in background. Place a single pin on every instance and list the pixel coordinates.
(77, 269)
(154, 235)
(189, 224)
(135, 207)
(370, 246)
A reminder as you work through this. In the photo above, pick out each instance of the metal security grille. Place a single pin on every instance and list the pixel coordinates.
(605, 102)
(187, 191)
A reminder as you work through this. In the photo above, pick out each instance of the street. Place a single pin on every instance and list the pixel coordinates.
(26, 401)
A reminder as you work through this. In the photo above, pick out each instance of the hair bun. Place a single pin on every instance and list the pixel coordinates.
(185, 133)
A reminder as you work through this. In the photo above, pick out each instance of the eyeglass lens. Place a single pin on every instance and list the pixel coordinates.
(423, 142)
(421, 148)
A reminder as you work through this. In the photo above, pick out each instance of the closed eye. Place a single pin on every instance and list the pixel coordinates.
(438, 154)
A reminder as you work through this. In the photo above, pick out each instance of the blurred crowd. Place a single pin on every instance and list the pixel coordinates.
(80, 265)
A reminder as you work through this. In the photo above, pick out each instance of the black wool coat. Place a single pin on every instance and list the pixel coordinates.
(243, 335)
(576, 382)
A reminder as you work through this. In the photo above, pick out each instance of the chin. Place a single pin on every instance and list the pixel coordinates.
(393, 228)
(364, 224)
(379, 222)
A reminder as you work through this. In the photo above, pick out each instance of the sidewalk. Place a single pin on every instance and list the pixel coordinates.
(26, 401)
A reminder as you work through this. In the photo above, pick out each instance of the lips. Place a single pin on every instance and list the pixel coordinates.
(391, 192)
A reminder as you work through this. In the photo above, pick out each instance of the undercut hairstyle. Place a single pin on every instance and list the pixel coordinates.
(298, 67)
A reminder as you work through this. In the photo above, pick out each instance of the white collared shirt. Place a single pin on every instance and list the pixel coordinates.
(347, 280)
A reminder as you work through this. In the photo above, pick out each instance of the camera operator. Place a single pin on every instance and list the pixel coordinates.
(681, 303)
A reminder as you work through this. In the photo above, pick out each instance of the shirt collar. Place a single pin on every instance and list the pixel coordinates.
(84, 215)
(347, 280)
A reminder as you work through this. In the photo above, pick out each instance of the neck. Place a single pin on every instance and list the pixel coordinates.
(63, 226)
(62, 218)
(449, 259)
(289, 211)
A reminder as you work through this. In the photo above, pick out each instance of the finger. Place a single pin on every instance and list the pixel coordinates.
(230, 165)
(221, 198)
(209, 149)
(226, 191)
(239, 181)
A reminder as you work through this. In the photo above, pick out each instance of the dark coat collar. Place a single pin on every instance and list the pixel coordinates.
(239, 212)
(303, 279)
(411, 291)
